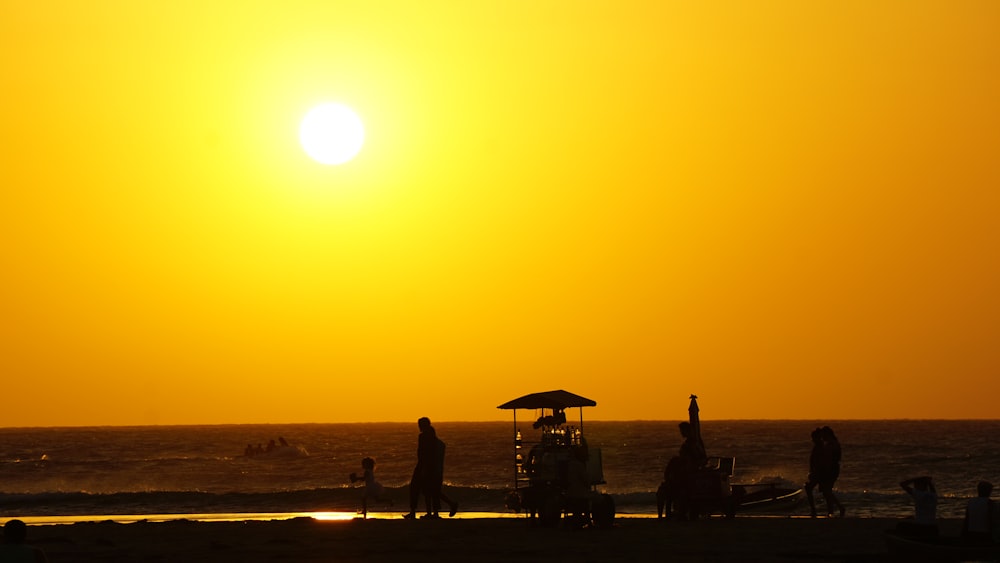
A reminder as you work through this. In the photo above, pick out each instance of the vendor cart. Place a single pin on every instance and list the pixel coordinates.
(559, 473)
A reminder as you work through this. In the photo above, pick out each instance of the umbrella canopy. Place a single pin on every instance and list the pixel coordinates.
(549, 400)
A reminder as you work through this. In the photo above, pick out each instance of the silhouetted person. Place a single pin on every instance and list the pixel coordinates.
(679, 474)
(14, 550)
(557, 417)
(924, 523)
(980, 516)
(816, 457)
(828, 470)
(434, 482)
(430, 464)
(373, 489)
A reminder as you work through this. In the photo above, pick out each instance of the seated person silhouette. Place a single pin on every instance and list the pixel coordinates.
(981, 517)
(924, 523)
(13, 547)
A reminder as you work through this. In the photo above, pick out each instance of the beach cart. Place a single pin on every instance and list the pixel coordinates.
(556, 472)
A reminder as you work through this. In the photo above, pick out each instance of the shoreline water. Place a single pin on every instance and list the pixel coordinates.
(333, 516)
(487, 539)
(201, 470)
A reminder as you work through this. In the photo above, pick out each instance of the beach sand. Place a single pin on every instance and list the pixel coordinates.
(469, 540)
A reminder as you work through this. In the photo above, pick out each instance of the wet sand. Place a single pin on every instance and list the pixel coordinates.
(469, 539)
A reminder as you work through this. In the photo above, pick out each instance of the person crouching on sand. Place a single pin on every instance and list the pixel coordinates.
(373, 489)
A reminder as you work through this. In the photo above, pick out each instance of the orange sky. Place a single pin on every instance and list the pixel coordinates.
(789, 208)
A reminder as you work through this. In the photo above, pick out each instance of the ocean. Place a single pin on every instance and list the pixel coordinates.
(78, 472)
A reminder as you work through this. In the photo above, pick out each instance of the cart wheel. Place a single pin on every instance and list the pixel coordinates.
(735, 497)
(604, 511)
(731, 507)
(513, 501)
(550, 510)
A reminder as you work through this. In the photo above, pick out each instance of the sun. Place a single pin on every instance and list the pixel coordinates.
(331, 133)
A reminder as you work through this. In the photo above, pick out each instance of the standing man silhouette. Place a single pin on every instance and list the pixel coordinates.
(426, 452)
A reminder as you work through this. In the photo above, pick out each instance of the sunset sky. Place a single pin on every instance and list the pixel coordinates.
(789, 208)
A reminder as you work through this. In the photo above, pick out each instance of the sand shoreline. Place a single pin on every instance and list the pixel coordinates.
(470, 539)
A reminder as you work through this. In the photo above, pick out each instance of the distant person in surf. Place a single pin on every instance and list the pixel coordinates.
(13, 548)
(373, 489)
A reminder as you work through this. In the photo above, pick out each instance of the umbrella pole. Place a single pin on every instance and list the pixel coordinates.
(515, 449)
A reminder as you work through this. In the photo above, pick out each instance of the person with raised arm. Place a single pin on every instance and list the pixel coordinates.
(678, 476)
(924, 523)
